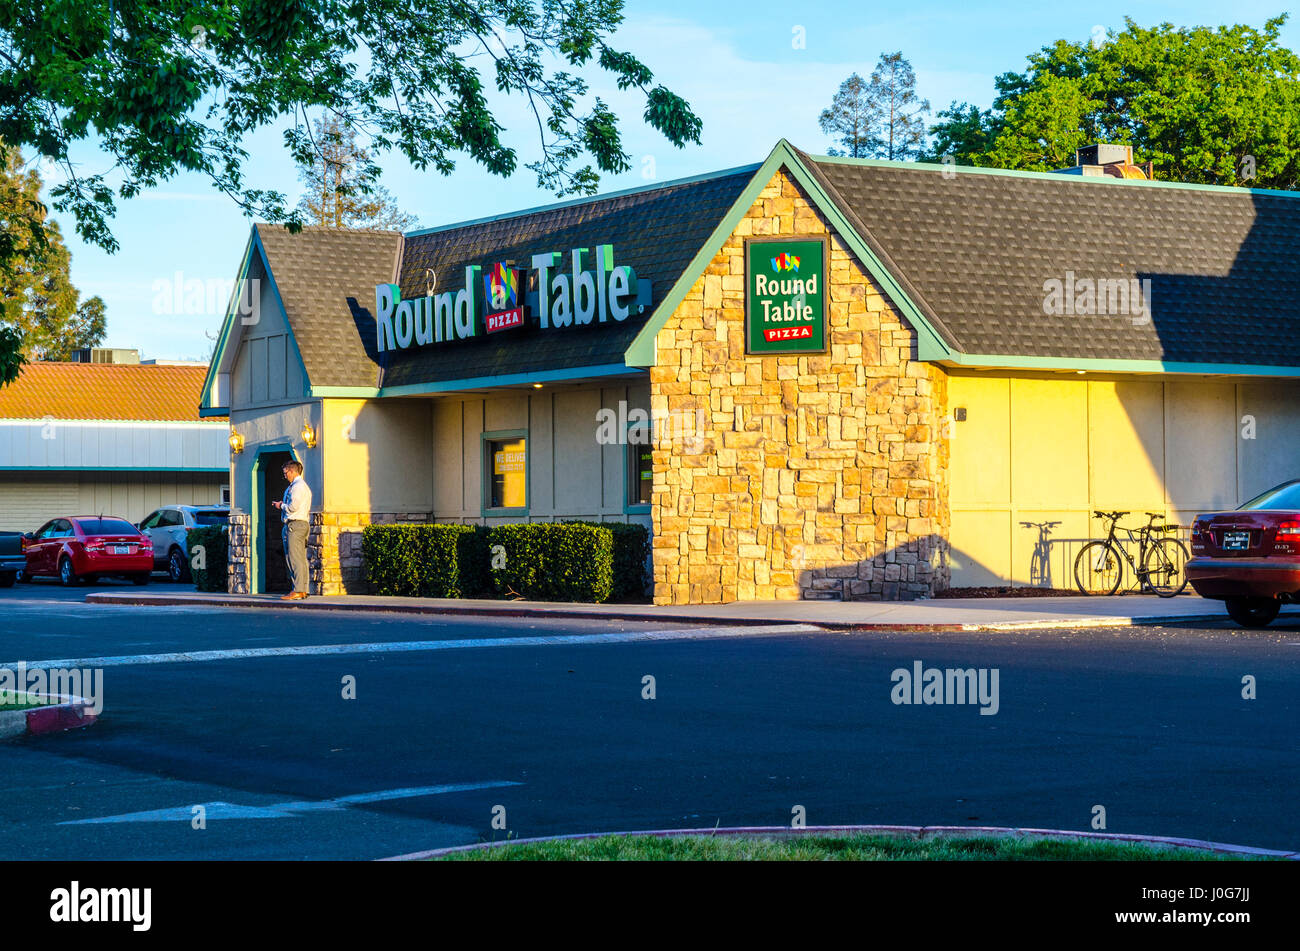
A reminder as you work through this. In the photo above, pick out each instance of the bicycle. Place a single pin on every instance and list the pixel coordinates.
(1099, 566)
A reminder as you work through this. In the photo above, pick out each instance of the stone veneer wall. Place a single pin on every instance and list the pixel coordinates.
(237, 554)
(815, 476)
(334, 548)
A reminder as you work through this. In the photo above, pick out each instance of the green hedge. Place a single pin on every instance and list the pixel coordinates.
(419, 561)
(542, 561)
(631, 554)
(474, 557)
(553, 561)
(216, 548)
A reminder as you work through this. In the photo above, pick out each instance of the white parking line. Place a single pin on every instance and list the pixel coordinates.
(283, 810)
(469, 643)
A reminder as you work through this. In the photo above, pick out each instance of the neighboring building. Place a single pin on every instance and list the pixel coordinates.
(118, 438)
(870, 379)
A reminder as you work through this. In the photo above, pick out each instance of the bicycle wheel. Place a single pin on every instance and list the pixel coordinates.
(1163, 565)
(1098, 568)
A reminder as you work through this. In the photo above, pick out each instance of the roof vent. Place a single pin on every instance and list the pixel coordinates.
(1103, 159)
(105, 355)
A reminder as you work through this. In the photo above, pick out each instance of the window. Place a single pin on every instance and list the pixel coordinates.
(105, 526)
(170, 518)
(1284, 496)
(640, 472)
(150, 522)
(208, 517)
(507, 472)
(225, 495)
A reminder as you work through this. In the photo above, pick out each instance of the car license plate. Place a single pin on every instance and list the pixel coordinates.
(1236, 541)
(121, 549)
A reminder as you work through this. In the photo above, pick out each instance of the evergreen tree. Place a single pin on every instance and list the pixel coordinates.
(881, 118)
(342, 184)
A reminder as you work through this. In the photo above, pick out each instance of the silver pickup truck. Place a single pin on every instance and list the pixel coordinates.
(12, 559)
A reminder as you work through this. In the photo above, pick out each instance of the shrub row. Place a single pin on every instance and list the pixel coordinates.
(421, 561)
(631, 557)
(541, 561)
(215, 544)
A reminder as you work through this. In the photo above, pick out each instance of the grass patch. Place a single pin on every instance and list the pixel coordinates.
(18, 700)
(819, 847)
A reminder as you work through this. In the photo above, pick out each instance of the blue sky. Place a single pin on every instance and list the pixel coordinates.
(736, 64)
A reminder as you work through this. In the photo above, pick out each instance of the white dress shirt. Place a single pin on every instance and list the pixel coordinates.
(297, 501)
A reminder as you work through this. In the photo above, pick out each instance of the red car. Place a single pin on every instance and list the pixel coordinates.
(80, 549)
(1250, 558)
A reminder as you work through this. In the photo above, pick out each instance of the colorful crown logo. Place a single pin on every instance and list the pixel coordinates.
(785, 262)
(502, 286)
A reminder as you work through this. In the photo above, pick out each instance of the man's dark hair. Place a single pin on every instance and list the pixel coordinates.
(293, 467)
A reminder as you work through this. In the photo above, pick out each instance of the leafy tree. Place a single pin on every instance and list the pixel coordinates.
(963, 130)
(41, 316)
(881, 118)
(1217, 106)
(342, 191)
(178, 85)
(84, 328)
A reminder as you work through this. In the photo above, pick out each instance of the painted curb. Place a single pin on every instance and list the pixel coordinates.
(71, 713)
(507, 610)
(918, 832)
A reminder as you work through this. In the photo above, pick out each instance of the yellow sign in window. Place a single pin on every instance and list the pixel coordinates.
(509, 482)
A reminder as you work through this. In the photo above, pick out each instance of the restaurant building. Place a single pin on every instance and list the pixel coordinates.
(810, 378)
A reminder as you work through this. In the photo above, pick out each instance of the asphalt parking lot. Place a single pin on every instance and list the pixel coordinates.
(450, 721)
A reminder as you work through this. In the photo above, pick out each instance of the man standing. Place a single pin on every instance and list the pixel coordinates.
(296, 512)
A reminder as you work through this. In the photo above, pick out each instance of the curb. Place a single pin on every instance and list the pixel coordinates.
(507, 610)
(71, 713)
(918, 832)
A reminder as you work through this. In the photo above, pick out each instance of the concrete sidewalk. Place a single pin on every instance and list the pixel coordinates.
(935, 615)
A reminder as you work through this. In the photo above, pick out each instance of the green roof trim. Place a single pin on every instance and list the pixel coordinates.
(930, 345)
(1052, 176)
(205, 397)
(228, 325)
(475, 383)
(980, 361)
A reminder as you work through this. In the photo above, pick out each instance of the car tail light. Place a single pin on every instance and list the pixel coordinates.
(1289, 527)
(94, 544)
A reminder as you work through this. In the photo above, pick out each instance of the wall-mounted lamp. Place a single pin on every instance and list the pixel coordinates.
(236, 442)
(308, 435)
(537, 386)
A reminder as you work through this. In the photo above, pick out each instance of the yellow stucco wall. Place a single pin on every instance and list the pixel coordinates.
(1038, 449)
(376, 455)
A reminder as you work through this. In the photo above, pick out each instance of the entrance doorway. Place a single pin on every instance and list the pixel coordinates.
(270, 574)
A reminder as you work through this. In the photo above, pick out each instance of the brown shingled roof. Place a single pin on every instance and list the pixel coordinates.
(326, 278)
(104, 391)
(974, 251)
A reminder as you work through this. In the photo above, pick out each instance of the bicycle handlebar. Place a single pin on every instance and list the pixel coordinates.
(1114, 515)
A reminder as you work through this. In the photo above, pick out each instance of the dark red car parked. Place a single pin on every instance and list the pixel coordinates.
(82, 548)
(1250, 558)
